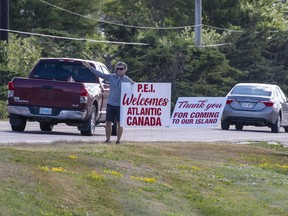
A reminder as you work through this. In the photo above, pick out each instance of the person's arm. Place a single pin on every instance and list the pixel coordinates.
(96, 72)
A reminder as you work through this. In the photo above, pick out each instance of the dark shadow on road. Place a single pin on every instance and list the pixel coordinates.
(53, 133)
(258, 131)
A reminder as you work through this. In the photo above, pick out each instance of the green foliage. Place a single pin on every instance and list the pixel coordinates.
(246, 13)
(265, 14)
(52, 47)
(146, 13)
(5, 77)
(21, 53)
(263, 55)
(38, 17)
(33, 14)
(103, 52)
(3, 110)
(223, 13)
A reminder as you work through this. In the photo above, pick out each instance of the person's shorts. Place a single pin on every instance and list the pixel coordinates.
(112, 113)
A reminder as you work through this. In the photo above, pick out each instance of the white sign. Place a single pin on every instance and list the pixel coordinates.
(145, 104)
(198, 111)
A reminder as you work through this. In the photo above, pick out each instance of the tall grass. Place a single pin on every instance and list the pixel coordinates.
(170, 178)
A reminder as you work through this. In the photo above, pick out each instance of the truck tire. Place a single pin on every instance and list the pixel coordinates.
(90, 124)
(18, 123)
(46, 126)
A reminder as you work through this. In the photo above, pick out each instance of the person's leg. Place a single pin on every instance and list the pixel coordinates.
(119, 132)
(119, 129)
(110, 116)
(108, 130)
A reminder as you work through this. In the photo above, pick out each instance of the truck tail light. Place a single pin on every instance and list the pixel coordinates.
(83, 95)
(11, 85)
(11, 89)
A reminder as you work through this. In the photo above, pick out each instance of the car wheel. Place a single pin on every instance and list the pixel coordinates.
(239, 126)
(90, 124)
(46, 126)
(275, 128)
(225, 125)
(20, 125)
(286, 129)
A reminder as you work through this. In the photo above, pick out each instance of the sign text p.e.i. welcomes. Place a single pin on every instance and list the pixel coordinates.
(145, 104)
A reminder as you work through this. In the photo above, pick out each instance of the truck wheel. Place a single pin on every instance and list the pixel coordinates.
(46, 126)
(18, 123)
(90, 124)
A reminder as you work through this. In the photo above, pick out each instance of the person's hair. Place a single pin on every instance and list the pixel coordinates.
(122, 63)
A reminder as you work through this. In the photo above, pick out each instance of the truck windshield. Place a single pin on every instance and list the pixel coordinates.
(63, 71)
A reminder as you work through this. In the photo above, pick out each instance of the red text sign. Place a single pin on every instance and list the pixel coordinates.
(145, 104)
(198, 111)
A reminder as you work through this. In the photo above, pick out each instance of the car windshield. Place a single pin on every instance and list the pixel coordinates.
(252, 90)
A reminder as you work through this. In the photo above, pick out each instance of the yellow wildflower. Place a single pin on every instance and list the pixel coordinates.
(195, 168)
(95, 176)
(44, 168)
(114, 173)
(147, 180)
(282, 166)
(58, 169)
(72, 157)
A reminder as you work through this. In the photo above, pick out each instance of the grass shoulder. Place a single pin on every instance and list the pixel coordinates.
(156, 178)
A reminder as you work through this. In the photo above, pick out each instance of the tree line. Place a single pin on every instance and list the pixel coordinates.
(243, 40)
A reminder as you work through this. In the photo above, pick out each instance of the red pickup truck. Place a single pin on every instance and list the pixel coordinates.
(59, 90)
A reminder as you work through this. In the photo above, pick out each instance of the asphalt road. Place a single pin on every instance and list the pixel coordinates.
(33, 134)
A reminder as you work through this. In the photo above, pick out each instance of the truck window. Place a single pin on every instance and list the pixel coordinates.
(82, 74)
(105, 70)
(63, 71)
(43, 71)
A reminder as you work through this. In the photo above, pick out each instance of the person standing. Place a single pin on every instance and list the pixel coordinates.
(114, 98)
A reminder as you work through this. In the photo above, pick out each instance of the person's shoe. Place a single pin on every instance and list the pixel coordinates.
(117, 142)
(107, 141)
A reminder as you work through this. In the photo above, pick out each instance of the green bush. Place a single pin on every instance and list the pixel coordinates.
(5, 77)
(3, 110)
